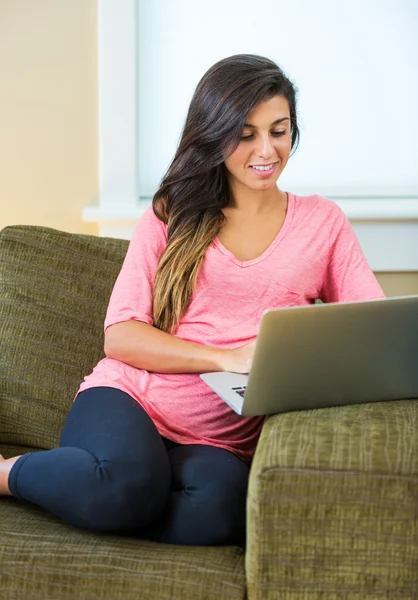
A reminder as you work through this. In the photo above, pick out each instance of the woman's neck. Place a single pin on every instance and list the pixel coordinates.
(256, 203)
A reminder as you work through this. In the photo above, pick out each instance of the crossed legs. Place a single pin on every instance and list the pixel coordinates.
(113, 472)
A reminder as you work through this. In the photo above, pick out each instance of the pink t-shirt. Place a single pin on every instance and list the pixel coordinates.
(315, 255)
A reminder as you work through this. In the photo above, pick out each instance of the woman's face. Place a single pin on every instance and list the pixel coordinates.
(265, 143)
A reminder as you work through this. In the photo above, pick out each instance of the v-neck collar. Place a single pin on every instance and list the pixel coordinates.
(273, 245)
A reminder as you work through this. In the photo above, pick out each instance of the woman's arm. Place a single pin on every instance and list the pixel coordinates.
(348, 276)
(145, 347)
(129, 332)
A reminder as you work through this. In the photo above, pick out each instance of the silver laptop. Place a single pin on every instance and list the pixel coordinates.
(328, 355)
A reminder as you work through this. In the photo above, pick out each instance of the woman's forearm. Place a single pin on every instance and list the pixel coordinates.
(145, 347)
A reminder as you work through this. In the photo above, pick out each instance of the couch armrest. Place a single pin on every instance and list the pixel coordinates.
(333, 504)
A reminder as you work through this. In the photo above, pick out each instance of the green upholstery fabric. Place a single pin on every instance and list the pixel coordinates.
(44, 559)
(333, 496)
(333, 504)
(54, 291)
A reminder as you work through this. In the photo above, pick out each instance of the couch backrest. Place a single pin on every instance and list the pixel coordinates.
(54, 291)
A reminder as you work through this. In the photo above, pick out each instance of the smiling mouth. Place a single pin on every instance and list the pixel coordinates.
(262, 168)
(264, 171)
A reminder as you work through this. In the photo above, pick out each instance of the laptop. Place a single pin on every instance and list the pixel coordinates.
(324, 355)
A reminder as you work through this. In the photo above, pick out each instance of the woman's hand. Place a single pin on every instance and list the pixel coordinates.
(238, 360)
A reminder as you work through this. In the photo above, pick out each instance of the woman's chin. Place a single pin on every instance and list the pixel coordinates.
(267, 184)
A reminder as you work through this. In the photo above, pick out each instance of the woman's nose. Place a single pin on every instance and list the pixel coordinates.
(264, 147)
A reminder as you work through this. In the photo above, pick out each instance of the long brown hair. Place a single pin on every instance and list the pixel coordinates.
(195, 188)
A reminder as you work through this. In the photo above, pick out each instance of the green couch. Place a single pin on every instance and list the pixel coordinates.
(332, 506)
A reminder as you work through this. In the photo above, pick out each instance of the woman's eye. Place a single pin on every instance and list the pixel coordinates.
(273, 133)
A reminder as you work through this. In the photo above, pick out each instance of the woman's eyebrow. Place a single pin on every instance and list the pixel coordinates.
(274, 123)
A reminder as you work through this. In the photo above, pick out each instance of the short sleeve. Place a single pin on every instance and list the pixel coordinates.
(348, 276)
(131, 298)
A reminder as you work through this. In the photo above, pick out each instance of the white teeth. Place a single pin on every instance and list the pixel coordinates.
(266, 168)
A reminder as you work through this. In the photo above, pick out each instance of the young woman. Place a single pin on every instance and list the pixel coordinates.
(148, 449)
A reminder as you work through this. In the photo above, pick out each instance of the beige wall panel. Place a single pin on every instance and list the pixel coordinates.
(398, 284)
(48, 112)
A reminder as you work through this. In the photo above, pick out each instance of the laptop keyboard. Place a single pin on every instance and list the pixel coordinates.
(240, 390)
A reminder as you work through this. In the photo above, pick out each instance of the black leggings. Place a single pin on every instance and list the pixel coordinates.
(114, 472)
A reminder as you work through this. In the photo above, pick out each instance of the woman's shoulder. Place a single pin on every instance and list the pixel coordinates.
(150, 226)
(315, 206)
(317, 201)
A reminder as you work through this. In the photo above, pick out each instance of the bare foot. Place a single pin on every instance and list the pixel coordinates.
(5, 467)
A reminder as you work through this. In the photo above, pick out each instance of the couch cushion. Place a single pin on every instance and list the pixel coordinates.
(44, 559)
(333, 504)
(54, 291)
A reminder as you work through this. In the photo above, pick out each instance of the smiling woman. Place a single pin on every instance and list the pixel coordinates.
(221, 244)
(212, 183)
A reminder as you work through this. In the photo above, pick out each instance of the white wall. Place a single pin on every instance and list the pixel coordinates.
(355, 64)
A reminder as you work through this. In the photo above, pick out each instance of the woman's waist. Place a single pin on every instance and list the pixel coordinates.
(183, 394)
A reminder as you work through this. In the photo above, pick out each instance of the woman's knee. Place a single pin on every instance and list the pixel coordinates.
(216, 485)
(122, 497)
(118, 473)
(207, 467)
